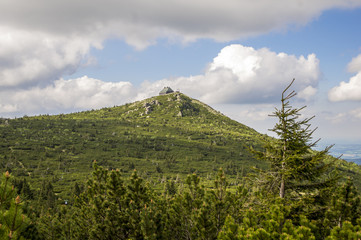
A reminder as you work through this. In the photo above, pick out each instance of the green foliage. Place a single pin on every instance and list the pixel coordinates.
(60, 149)
(139, 187)
(12, 220)
(109, 209)
(112, 207)
(345, 205)
(54, 224)
(347, 231)
(295, 168)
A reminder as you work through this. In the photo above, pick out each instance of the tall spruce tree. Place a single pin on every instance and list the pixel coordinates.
(294, 166)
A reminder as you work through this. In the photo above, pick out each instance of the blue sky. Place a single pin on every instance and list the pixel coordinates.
(237, 56)
(334, 37)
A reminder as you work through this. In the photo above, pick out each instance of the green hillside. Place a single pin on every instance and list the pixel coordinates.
(162, 137)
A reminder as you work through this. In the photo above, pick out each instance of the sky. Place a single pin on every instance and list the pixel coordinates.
(235, 55)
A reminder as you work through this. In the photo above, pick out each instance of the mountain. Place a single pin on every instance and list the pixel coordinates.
(356, 160)
(349, 151)
(163, 137)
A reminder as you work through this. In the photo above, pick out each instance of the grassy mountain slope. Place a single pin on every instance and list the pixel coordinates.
(162, 137)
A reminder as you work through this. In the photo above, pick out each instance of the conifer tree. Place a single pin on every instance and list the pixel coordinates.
(220, 200)
(294, 166)
(267, 225)
(345, 205)
(12, 219)
(185, 209)
(347, 231)
(111, 209)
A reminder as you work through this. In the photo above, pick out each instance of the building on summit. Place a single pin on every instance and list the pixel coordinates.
(165, 91)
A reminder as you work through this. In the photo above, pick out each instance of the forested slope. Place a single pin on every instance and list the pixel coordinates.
(164, 136)
(169, 167)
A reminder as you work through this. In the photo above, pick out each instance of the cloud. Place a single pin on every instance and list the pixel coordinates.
(187, 19)
(356, 113)
(242, 74)
(355, 64)
(29, 59)
(256, 113)
(41, 41)
(238, 74)
(307, 93)
(337, 118)
(67, 96)
(346, 116)
(349, 91)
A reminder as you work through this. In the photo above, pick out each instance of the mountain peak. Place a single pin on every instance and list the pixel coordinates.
(173, 104)
(175, 110)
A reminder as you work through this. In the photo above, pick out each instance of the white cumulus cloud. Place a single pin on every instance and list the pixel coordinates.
(238, 74)
(355, 64)
(241, 74)
(307, 93)
(348, 91)
(67, 96)
(32, 58)
(41, 40)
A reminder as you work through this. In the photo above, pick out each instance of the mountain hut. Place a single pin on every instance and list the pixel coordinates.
(165, 91)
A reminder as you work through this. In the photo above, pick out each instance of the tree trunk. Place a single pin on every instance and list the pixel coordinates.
(282, 186)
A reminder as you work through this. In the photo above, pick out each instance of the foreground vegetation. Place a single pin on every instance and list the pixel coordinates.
(112, 208)
(275, 189)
